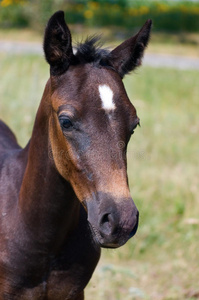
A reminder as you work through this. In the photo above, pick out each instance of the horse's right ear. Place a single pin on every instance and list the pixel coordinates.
(128, 55)
(57, 44)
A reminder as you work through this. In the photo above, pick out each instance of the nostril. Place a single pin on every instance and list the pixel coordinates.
(105, 219)
(107, 224)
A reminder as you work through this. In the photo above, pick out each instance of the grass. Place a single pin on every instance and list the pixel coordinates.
(20, 35)
(22, 82)
(161, 261)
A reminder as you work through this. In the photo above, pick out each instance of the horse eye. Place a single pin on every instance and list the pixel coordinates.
(65, 123)
(134, 127)
(132, 130)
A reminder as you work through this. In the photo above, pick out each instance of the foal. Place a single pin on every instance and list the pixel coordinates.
(66, 193)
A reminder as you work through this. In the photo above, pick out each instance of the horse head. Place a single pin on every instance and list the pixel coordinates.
(90, 125)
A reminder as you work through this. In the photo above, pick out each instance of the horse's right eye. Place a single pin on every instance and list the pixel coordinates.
(66, 123)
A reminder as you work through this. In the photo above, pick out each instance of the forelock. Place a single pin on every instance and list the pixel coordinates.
(91, 51)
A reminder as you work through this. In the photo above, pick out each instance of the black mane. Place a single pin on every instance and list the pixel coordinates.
(91, 52)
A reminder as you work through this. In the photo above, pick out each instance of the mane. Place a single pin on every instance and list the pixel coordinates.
(91, 51)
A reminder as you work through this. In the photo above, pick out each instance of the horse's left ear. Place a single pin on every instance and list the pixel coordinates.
(57, 44)
(128, 55)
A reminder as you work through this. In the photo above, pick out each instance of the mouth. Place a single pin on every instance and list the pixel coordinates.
(98, 240)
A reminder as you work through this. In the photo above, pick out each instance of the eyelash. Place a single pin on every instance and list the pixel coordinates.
(138, 124)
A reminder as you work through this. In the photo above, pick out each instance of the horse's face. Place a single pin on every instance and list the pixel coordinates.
(91, 123)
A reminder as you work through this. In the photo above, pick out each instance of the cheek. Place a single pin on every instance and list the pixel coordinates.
(64, 152)
(58, 148)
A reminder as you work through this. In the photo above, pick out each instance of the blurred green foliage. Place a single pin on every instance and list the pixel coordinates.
(166, 14)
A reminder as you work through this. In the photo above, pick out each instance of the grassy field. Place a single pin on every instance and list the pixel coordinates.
(162, 261)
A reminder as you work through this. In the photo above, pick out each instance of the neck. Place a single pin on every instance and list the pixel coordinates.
(47, 204)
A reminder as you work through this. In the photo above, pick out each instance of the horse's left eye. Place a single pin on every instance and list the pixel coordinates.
(66, 123)
(134, 127)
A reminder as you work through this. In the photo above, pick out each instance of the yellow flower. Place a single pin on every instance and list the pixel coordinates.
(94, 5)
(133, 12)
(143, 10)
(183, 8)
(5, 3)
(162, 7)
(88, 14)
(195, 10)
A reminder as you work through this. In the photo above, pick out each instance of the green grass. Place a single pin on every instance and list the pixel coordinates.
(22, 83)
(161, 261)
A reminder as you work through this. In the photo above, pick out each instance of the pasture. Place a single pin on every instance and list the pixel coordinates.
(161, 261)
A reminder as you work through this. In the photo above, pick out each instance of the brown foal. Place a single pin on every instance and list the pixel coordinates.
(66, 195)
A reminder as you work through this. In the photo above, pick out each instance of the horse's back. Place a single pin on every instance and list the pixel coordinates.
(8, 140)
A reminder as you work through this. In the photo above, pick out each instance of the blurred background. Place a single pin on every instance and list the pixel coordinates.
(162, 260)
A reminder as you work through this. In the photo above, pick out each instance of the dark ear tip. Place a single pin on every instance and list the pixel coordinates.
(57, 16)
(59, 13)
(149, 23)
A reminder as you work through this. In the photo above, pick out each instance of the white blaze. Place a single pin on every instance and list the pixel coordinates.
(106, 95)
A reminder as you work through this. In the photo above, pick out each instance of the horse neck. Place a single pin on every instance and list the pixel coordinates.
(47, 203)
